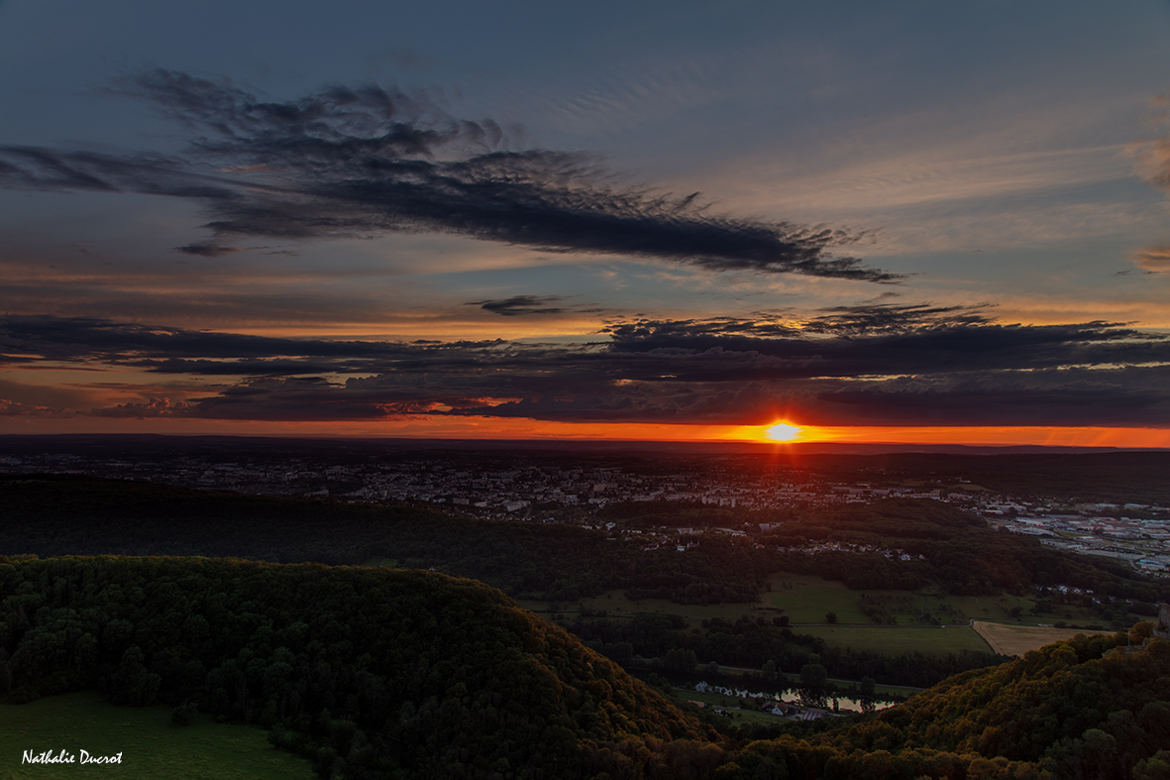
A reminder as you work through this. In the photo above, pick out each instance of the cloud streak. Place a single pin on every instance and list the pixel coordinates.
(361, 162)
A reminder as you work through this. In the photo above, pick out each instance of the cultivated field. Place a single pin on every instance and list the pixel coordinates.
(150, 745)
(895, 640)
(1017, 640)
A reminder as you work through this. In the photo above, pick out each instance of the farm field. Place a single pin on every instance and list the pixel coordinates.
(1017, 640)
(807, 599)
(893, 640)
(150, 745)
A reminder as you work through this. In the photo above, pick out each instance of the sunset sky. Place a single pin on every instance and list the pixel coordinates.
(905, 222)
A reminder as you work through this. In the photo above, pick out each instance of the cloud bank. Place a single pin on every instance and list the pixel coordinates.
(875, 365)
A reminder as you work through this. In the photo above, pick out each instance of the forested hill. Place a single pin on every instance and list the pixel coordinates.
(1091, 707)
(368, 672)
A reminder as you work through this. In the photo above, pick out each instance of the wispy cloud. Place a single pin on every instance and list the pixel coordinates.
(1153, 258)
(359, 162)
(1153, 162)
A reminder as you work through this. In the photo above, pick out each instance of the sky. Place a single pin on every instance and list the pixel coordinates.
(906, 221)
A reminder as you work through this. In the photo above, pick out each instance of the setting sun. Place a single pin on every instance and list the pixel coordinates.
(783, 431)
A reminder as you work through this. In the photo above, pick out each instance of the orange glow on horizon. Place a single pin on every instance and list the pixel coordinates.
(453, 427)
(990, 436)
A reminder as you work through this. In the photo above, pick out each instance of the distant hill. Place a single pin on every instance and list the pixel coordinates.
(220, 443)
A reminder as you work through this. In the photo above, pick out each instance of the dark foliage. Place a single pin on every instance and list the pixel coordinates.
(368, 672)
(389, 673)
(55, 515)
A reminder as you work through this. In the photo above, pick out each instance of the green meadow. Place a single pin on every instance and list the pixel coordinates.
(150, 745)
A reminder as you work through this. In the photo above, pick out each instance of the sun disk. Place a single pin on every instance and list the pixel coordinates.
(783, 432)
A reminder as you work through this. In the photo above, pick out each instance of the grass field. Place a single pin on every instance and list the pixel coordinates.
(683, 695)
(893, 640)
(150, 746)
(1017, 640)
(807, 599)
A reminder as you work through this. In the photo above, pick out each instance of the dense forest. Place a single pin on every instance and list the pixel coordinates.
(377, 673)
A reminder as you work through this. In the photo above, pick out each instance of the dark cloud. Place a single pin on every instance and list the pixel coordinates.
(360, 162)
(1155, 259)
(907, 365)
(524, 305)
(207, 249)
(521, 304)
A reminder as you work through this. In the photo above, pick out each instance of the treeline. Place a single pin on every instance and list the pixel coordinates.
(958, 551)
(61, 515)
(369, 673)
(758, 644)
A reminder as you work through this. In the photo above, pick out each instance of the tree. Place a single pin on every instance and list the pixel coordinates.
(830, 617)
(867, 693)
(680, 660)
(1140, 632)
(814, 680)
